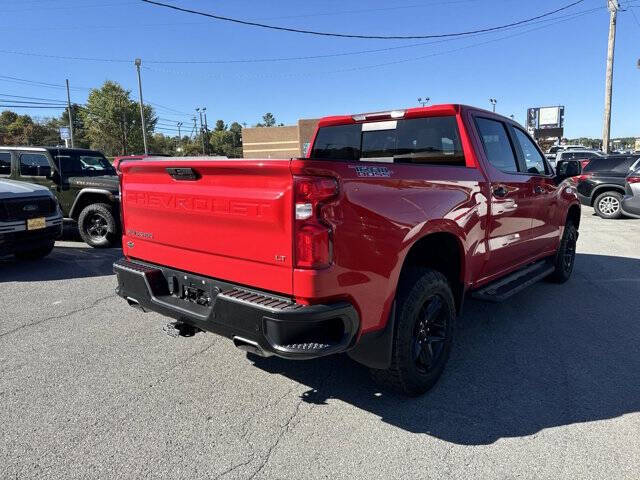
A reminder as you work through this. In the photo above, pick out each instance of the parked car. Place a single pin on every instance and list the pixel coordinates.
(576, 155)
(601, 184)
(30, 218)
(368, 246)
(631, 200)
(83, 181)
(559, 148)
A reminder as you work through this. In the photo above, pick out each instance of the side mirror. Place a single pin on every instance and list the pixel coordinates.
(567, 169)
(54, 176)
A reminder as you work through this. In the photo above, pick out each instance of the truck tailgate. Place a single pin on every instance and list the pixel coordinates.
(232, 222)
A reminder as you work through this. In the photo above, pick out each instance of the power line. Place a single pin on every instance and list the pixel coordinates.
(29, 102)
(31, 98)
(349, 35)
(395, 62)
(61, 107)
(275, 59)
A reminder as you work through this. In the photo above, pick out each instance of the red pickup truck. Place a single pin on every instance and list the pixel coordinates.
(367, 246)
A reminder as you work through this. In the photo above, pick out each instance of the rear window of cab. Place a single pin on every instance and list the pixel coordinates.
(428, 140)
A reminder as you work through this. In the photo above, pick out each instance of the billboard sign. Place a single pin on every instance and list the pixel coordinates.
(546, 121)
(551, 117)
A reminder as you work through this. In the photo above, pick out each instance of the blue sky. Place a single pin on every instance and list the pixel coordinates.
(556, 62)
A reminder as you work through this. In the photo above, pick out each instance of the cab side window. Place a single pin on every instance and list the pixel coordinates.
(497, 145)
(34, 165)
(532, 157)
(5, 164)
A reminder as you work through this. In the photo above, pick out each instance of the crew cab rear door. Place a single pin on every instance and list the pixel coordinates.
(512, 199)
(545, 220)
(226, 219)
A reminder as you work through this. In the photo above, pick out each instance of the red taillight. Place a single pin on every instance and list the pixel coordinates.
(312, 234)
(583, 177)
(633, 179)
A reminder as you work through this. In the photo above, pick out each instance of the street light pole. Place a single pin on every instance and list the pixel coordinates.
(608, 89)
(423, 102)
(138, 62)
(493, 102)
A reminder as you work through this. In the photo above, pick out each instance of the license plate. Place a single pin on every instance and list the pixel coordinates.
(36, 223)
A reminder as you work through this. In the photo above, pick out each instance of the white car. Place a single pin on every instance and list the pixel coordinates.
(575, 155)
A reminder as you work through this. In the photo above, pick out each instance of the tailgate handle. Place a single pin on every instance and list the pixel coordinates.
(183, 173)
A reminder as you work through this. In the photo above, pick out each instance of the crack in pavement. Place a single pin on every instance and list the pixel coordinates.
(287, 426)
(234, 468)
(283, 429)
(94, 304)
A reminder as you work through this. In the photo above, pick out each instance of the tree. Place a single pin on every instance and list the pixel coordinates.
(227, 142)
(112, 120)
(268, 120)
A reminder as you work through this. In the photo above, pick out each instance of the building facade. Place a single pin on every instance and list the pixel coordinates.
(278, 142)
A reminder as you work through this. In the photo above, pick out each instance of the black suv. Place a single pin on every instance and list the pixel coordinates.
(601, 184)
(83, 181)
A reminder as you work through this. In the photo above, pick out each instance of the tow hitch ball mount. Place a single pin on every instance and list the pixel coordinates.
(180, 329)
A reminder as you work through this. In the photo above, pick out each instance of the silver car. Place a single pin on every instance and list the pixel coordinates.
(631, 199)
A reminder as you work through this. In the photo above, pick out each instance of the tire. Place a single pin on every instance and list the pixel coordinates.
(566, 255)
(608, 205)
(97, 225)
(425, 315)
(37, 253)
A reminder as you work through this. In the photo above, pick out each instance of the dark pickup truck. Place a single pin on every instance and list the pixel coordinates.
(368, 246)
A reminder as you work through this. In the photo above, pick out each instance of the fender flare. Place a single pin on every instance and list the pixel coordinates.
(110, 196)
(605, 186)
(374, 349)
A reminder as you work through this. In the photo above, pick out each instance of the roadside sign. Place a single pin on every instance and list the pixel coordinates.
(64, 133)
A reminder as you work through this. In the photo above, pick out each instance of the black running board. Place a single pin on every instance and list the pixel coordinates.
(513, 283)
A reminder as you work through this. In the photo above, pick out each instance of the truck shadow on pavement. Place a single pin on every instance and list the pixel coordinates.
(66, 261)
(553, 355)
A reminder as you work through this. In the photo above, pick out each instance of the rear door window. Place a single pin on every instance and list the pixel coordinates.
(34, 165)
(5, 164)
(602, 165)
(340, 142)
(428, 140)
(625, 165)
(497, 146)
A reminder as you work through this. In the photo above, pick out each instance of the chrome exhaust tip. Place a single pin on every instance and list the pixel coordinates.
(250, 346)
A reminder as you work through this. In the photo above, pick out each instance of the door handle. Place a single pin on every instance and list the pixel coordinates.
(500, 191)
(538, 189)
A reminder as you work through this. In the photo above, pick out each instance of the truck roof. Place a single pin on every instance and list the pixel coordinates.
(399, 113)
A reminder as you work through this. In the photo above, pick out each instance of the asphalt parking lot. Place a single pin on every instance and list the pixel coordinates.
(546, 385)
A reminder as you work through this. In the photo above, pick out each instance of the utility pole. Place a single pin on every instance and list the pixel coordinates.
(201, 130)
(493, 102)
(138, 62)
(70, 116)
(608, 89)
(195, 127)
